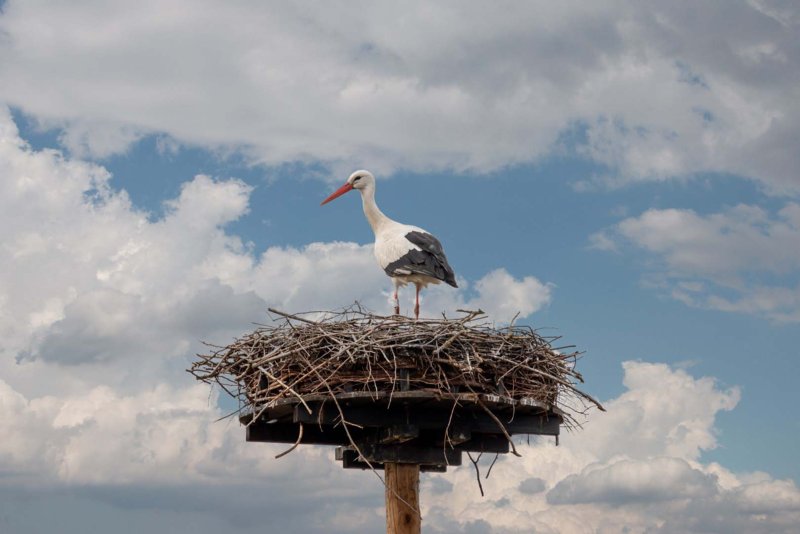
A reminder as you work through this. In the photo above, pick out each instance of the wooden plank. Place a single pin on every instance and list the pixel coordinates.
(473, 419)
(372, 397)
(409, 453)
(455, 435)
(398, 434)
(350, 460)
(485, 443)
(314, 435)
(287, 433)
(402, 499)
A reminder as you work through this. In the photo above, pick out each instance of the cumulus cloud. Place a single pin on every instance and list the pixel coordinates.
(503, 296)
(744, 259)
(89, 279)
(631, 481)
(650, 92)
(636, 468)
(680, 428)
(161, 449)
(532, 485)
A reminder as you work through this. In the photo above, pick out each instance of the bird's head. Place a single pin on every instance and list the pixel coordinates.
(358, 180)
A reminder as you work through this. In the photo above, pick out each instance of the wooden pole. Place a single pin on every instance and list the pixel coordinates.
(402, 484)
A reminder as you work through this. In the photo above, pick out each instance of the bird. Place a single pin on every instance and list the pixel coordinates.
(407, 254)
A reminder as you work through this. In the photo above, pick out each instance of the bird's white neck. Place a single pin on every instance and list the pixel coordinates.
(374, 215)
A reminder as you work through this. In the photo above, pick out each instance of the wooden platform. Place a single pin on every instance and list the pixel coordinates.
(413, 427)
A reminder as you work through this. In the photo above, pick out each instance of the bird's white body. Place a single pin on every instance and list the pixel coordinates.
(390, 244)
(407, 254)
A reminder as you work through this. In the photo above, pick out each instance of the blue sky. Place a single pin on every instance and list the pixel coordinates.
(623, 181)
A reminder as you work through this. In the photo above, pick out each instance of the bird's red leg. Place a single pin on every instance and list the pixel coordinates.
(396, 303)
(416, 305)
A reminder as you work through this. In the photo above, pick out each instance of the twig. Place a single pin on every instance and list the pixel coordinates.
(477, 470)
(290, 316)
(289, 389)
(296, 443)
(489, 472)
(501, 426)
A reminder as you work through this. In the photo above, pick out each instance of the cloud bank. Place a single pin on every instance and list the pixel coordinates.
(636, 468)
(648, 92)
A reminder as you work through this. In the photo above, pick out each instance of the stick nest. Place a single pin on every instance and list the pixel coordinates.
(354, 350)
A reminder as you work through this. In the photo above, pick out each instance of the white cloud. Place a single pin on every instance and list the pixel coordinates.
(781, 304)
(161, 449)
(101, 308)
(94, 139)
(740, 239)
(682, 427)
(768, 497)
(631, 481)
(744, 259)
(503, 296)
(652, 92)
(532, 485)
(601, 241)
(636, 468)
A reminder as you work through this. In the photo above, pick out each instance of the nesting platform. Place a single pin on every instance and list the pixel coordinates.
(397, 394)
(414, 427)
(392, 390)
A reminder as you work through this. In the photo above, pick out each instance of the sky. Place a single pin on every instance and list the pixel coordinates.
(621, 174)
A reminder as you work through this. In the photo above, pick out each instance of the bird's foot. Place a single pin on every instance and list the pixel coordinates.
(416, 312)
(397, 309)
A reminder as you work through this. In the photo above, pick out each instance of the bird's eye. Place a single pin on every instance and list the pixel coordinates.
(357, 178)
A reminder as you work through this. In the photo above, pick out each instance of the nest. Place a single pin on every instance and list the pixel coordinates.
(357, 351)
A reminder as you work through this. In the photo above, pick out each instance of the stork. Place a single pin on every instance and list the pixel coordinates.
(407, 254)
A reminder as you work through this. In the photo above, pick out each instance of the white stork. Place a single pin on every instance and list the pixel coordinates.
(406, 253)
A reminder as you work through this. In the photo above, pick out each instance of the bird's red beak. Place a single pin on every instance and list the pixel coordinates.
(339, 192)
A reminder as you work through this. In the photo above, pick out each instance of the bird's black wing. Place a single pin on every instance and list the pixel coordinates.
(430, 260)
